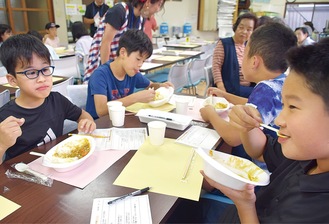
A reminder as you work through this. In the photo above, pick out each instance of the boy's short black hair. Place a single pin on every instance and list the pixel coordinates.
(3, 29)
(310, 24)
(19, 49)
(303, 29)
(78, 30)
(271, 42)
(35, 33)
(312, 63)
(135, 40)
(263, 20)
(245, 16)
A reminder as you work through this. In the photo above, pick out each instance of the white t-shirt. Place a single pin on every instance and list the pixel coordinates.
(52, 52)
(82, 46)
(53, 43)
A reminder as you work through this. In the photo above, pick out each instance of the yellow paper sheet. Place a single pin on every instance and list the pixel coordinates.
(162, 168)
(134, 108)
(8, 85)
(189, 45)
(7, 207)
(183, 45)
(56, 78)
(169, 58)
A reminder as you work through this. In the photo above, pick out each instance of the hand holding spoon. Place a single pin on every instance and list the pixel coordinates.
(273, 129)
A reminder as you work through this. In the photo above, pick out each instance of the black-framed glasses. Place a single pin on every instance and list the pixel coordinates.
(34, 73)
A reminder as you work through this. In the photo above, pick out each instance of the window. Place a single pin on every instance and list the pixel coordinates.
(297, 13)
(24, 15)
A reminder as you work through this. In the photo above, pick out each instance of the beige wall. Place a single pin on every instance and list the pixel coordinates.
(60, 19)
(277, 5)
(176, 13)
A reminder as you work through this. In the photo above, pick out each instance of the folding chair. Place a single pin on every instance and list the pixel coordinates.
(3, 71)
(77, 94)
(4, 97)
(209, 78)
(67, 67)
(62, 86)
(196, 73)
(178, 76)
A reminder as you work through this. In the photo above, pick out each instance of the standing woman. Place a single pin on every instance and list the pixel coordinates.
(94, 11)
(228, 55)
(117, 20)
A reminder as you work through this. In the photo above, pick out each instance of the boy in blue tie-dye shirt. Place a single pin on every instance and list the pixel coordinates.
(264, 64)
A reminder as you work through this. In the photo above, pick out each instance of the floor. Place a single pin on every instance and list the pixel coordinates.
(200, 89)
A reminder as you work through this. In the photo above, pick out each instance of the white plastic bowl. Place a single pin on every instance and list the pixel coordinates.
(225, 176)
(166, 93)
(64, 165)
(216, 100)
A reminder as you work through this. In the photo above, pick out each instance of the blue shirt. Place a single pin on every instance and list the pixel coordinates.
(103, 82)
(267, 97)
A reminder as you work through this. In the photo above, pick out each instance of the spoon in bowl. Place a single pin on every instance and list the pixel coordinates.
(273, 129)
(22, 167)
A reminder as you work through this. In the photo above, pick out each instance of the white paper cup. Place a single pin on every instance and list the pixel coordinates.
(117, 114)
(181, 106)
(111, 104)
(157, 131)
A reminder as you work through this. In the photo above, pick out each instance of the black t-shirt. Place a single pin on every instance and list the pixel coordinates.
(42, 124)
(292, 196)
(91, 11)
(116, 17)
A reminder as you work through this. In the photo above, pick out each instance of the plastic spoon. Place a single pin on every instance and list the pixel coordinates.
(22, 167)
(37, 154)
(273, 129)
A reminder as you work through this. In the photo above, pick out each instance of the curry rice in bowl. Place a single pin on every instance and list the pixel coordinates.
(232, 171)
(162, 96)
(70, 153)
(219, 103)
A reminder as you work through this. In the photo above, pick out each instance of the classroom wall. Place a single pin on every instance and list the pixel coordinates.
(277, 5)
(186, 11)
(176, 13)
(60, 19)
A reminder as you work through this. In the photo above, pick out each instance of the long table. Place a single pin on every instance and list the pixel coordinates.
(182, 46)
(159, 61)
(63, 203)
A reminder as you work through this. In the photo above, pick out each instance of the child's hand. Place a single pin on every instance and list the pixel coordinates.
(245, 197)
(245, 117)
(167, 85)
(213, 91)
(145, 96)
(86, 125)
(10, 130)
(207, 111)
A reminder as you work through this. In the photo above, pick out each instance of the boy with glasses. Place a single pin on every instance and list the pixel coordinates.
(37, 115)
